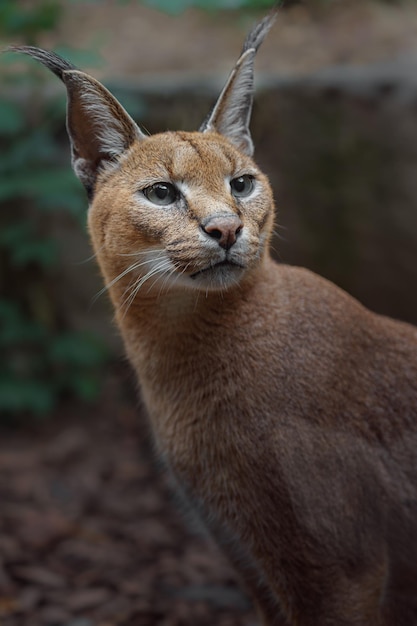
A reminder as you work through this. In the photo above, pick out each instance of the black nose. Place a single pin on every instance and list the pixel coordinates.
(224, 228)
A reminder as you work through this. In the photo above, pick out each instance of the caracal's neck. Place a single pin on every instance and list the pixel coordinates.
(163, 313)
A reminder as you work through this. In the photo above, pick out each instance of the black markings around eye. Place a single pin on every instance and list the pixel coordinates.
(161, 193)
(242, 186)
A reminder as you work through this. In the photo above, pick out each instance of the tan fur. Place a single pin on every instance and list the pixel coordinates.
(286, 411)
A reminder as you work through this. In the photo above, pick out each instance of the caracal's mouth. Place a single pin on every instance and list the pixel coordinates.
(220, 266)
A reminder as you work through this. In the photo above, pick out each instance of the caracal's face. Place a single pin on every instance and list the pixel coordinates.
(181, 210)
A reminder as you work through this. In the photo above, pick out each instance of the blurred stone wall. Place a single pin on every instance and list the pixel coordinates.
(341, 151)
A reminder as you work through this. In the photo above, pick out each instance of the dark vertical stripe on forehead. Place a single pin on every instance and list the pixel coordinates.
(187, 139)
(220, 147)
(229, 153)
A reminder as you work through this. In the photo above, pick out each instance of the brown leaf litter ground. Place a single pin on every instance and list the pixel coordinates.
(91, 535)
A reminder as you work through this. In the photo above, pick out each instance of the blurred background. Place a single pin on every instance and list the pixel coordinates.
(88, 534)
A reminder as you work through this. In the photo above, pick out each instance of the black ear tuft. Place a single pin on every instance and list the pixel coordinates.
(230, 115)
(258, 33)
(51, 60)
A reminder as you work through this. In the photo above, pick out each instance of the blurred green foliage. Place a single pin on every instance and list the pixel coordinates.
(177, 6)
(28, 22)
(42, 360)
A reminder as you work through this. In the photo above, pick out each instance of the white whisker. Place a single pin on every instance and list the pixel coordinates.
(129, 269)
(167, 278)
(135, 289)
(87, 260)
(159, 268)
(158, 277)
(140, 252)
(90, 258)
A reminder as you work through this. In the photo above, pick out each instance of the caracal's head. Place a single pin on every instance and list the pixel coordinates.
(176, 210)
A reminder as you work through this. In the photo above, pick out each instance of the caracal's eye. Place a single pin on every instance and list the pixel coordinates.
(161, 193)
(242, 186)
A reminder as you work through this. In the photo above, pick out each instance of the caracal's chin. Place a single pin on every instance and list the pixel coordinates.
(217, 277)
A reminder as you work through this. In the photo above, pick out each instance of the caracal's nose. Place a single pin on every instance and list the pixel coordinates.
(223, 228)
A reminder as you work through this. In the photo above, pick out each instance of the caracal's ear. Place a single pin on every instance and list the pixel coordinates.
(231, 113)
(99, 128)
